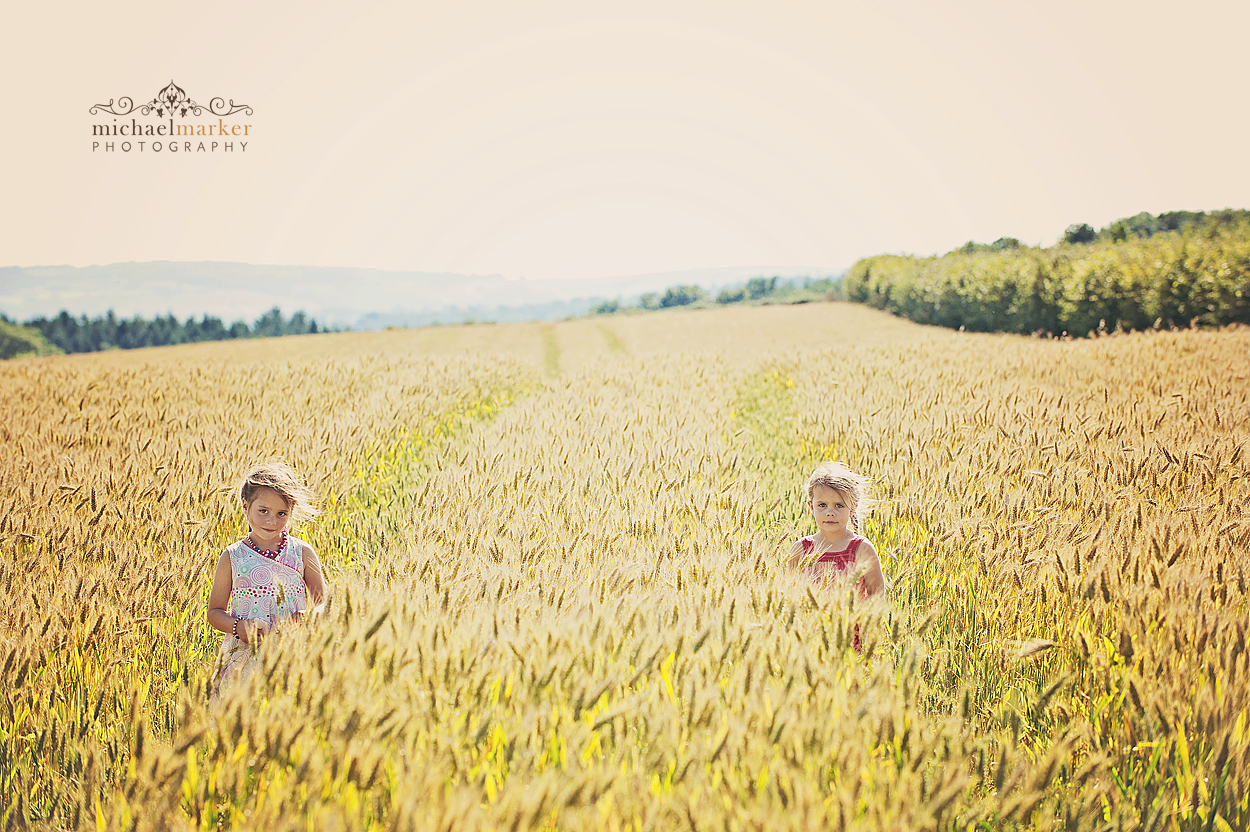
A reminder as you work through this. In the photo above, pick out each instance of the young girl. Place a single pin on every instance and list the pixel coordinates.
(268, 576)
(836, 496)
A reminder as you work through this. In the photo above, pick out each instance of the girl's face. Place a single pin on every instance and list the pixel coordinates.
(267, 514)
(832, 510)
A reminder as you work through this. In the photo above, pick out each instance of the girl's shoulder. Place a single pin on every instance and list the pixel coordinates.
(857, 543)
(238, 555)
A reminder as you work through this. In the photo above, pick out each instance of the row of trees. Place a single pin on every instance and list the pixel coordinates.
(83, 334)
(757, 289)
(1145, 225)
(1198, 274)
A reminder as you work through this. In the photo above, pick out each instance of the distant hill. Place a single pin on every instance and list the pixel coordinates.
(358, 298)
(18, 341)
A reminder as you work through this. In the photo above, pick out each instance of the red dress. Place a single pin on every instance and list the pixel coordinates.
(841, 562)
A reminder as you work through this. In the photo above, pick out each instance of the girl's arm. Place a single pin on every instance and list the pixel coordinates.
(796, 555)
(314, 579)
(873, 579)
(218, 618)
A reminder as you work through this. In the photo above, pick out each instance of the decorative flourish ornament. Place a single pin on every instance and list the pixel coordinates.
(172, 100)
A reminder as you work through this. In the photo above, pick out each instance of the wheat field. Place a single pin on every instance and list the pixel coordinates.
(558, 598)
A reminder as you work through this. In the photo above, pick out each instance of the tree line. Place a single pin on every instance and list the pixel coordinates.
(1175, 270)
(756, 290)
(65, 333)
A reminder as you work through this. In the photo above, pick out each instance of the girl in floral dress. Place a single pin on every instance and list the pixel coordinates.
(268, 576)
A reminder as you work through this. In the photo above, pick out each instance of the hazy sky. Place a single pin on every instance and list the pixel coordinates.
(584, 139)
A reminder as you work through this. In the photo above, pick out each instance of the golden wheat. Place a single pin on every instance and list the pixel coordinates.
(557, 593)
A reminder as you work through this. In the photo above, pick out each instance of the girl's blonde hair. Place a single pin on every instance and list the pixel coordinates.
(853, 486)
(279, 476)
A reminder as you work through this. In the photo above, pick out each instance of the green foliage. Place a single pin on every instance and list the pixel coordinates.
(761, 290)
(70, 334)
(1148, 225)
(16, 340)
(1145, 224)
(1001, 244)
(681, 296)
(1080, 233)
(1198, 276)
(769, 290)
(758, 287)
(608, 307)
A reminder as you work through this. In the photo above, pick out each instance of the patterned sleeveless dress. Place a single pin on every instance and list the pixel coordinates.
(838, 564)
(261, 587)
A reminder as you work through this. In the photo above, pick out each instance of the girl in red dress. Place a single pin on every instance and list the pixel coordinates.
(836, 497)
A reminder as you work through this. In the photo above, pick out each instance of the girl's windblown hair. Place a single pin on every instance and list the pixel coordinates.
(853, 486)
(281, 478)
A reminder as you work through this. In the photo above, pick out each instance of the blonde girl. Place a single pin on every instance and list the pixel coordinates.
(268, 576)
(837, 497)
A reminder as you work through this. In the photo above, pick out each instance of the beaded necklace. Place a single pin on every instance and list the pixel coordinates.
(271, 554)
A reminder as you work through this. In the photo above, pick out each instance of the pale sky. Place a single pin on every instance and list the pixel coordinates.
(584, 139)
